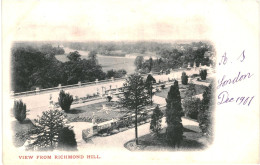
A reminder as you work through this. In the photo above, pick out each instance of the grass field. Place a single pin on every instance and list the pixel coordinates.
(191, 141)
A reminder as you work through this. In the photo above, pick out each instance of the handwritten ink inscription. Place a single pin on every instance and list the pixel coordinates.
(224, 97)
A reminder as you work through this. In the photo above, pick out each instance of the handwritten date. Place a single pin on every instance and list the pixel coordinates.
(224, 97)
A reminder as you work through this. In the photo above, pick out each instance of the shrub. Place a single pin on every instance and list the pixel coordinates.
(203, 74)
(66, 140)
(19, 110)
(65, 100)
(184, 78)
(155, 125)
(109, 98)
(191, 107)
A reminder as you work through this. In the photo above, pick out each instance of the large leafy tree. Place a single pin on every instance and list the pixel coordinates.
(174, 113)
(135, 96)
(74, 56)
(45, 135)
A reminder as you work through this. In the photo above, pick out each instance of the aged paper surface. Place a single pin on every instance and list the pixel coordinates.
(232, 27)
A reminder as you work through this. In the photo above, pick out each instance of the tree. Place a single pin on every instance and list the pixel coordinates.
(93, 56)
(74, 56)
(191, 104)
(135, 96)
(48, 126)
(65, 100)
(203, 74)
(184, 78)
(19, 110)
(191, 107)
(155, 125)
(66, 140)
(174, 113)
(109, 98)
(205, 116)
(139, 62)
(149, 85)
(150, 64)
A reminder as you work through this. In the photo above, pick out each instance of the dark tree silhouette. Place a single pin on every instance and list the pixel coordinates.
(149, 85)
(74, 56)
(174, 113)
(184, 78)
(66, 140)
(203, 74)
(19, 110)
(65, 100)
(155, 125)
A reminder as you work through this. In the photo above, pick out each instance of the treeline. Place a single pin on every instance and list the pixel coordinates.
(33, 67)
(125, 47)
(173, 59)
(135, 46)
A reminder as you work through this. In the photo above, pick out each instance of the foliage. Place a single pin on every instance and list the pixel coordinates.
(139, 62)
(184, 78)
(49, 49)
(66, 140)
(37, 67)
(65, 100)
(116, 73)
(74, 56)
(109, 98)
(46, 134)
(191, 91)
(191, 107)
(93, 56)
(155, 125)
(174, 113)
(135, 96)
(149, 85)
(19, 110)
(82, 70)
(205, 116)
(150, 64)
(203, 74)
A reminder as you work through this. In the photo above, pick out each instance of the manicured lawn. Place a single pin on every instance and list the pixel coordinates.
(85, 113)
(191, 141)
(20, 131)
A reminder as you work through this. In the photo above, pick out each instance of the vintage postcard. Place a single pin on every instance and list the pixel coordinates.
(130, 82)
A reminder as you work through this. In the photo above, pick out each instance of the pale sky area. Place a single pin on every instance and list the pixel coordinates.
(108, 20)
(112, 19)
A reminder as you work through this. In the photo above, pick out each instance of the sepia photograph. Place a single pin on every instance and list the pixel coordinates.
(146, 82)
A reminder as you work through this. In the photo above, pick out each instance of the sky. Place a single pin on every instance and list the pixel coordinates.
(107, 20)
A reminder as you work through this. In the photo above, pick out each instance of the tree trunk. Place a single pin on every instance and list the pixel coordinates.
(136, 131)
